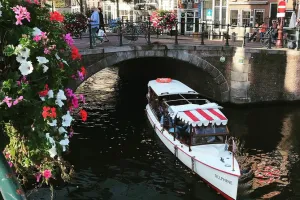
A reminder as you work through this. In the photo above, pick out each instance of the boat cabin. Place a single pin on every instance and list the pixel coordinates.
(184, 114)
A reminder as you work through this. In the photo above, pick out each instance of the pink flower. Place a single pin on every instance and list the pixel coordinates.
(8, 101)
(47, 174)
(69, 92)
(37, 38)
(81, 96)
(75, 102)
(18, 100)
(71, 134)
(80, 75)
(10, 163)
(38, 177)
(21, 13)
(69, 40)
(46, 51)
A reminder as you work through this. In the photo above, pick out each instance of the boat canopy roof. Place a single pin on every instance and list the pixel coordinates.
(169, 88)
(199, 115)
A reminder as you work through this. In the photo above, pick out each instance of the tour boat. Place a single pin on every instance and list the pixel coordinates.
(195, 131)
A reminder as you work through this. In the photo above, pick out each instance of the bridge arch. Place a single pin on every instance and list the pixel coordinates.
(117, 57)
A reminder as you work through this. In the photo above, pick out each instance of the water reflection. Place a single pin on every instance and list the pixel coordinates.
(117, 156)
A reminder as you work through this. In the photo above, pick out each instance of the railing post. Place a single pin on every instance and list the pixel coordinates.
(176, 32)
(227, 36)
(120, 33)
(149, 28)
(270, 40)
(202, 33)
(9, 185)
(90, 36)
(244, 41)
(298, 39)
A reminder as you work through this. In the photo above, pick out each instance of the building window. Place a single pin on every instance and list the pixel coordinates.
(234, 17)
(259, 17)
(287, 19)
(245, 18)
(207, 7)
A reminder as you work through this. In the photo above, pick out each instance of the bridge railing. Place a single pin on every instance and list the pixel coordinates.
(202, 33)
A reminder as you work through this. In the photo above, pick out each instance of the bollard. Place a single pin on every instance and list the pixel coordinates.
(90, 36)
(176, 33)
(9, 185)
(202, 33)
(227, 36)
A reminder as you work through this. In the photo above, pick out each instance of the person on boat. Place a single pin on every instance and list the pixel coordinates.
(181, 126)
(166, 121)
(210, 130)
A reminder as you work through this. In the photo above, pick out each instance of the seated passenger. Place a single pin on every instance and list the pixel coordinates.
(166, 121)
(210, 130)
(199, 130)
(220, 129)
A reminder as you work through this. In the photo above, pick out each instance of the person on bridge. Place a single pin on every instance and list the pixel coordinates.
(95, 22)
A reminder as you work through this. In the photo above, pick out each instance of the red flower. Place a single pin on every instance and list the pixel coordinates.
(83, 71)
(56, 16)
(44, 92)
(83, 114)
(49, 112)
(75, 53)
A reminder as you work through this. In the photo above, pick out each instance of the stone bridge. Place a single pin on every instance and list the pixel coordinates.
(245, 76)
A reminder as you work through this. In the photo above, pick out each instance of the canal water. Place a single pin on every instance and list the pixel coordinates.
(117, 156)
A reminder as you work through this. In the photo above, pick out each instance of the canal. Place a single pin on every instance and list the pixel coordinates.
(117, 155)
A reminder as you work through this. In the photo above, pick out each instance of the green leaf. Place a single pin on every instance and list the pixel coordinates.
(9, 50)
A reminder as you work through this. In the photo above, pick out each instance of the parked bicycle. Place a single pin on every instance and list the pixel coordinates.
(132, 31)
(266, 38)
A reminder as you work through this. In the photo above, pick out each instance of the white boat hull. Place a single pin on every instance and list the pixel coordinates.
(224, 181)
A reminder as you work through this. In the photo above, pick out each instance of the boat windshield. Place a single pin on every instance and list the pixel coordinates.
(209, 135)
(182, 99)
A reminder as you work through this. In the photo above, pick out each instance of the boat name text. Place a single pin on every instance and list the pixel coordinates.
(223, 179)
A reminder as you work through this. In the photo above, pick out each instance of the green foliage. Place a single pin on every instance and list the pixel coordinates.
(39, 60)
(75, 23)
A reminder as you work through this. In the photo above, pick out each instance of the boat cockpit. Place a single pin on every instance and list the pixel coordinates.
(186, 133)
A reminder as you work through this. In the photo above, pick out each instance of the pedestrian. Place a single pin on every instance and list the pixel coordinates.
(262, 30)
(102, 23)
(255, 31)
(95, 22)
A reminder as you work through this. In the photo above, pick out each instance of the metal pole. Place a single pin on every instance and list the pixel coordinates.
(149, 25)
(117, 1)
(279, 42)
(298, 39)
(9, 185)
(120, 32)
(202, 33)
(90, 36)
(176, 32)
(227, 36)
(270, 39)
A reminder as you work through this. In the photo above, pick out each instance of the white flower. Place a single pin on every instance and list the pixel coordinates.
(52, 151)
(61, 95)
(1, 5)
(57, 57)
(24, 52)
(20, 59)
(42, 98)
(50, 94)
(64, 143)
(53, 123)
(67, 119)
(62, 130)
(45, 68)
(26, 68)
(0, 13)
(36, 31)
(42, 60)
(59, 102)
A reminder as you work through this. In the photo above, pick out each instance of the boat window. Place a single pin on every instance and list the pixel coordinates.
(209, 135)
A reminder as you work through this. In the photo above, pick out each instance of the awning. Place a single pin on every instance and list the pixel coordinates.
(199, 115)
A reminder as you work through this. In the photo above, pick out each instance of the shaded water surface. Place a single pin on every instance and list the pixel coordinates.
(118, 157)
